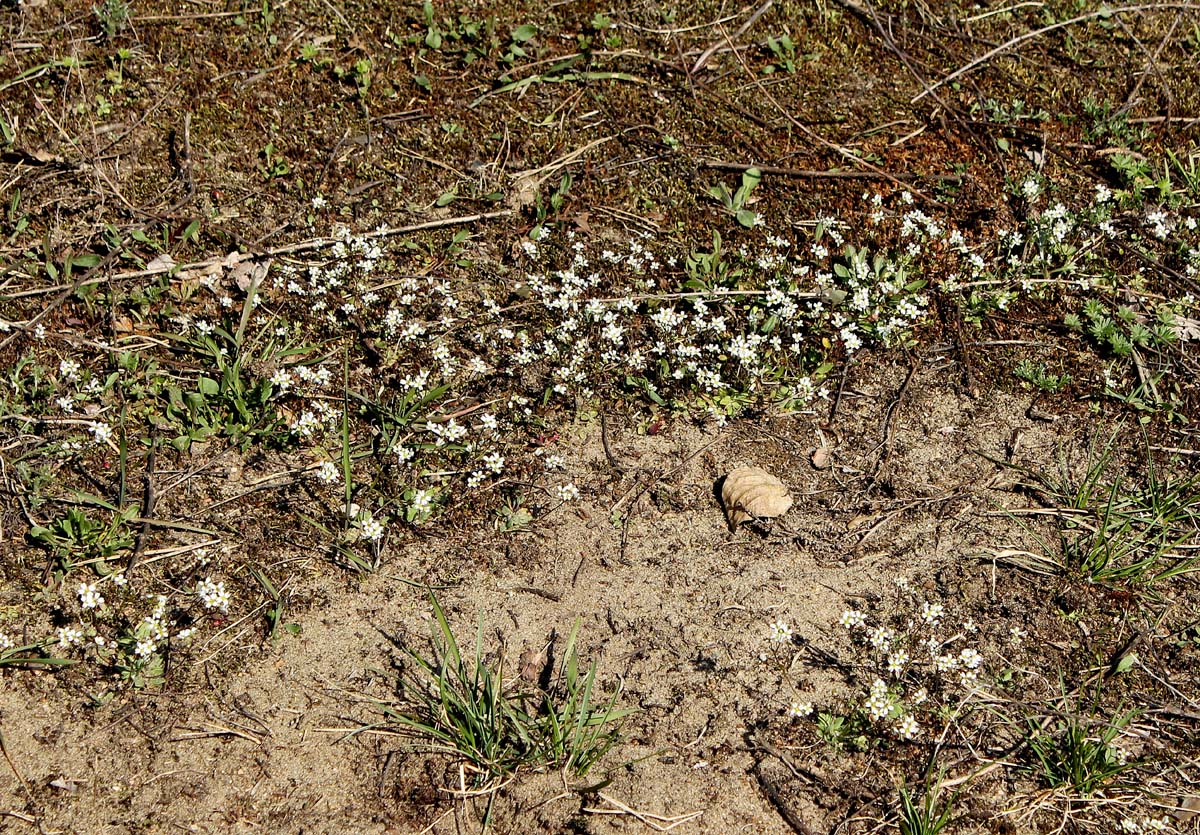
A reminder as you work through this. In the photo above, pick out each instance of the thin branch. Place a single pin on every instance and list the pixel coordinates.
(809, 174)
(1045, 30)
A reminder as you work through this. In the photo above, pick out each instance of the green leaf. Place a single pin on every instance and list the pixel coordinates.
(524, 32)
(1126, 663)
(446, 199)
(209, 386)
(750, 180)
(747, 218)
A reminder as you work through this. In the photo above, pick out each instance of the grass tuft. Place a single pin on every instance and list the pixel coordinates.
(464, 707)
(1111, 530)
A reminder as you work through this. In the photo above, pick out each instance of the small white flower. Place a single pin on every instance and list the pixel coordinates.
(970, 658)
(213, 595)
(327, 473)
(852, 618)
(89, 598)
(101, 432)
(879, 701)
(932, 613)
(896, 662)
(372, 529)
(306, 424)
(566, 492)
(69, 636)
(907, 727)
(184, 634)
(798, 710)
(881, 637)
(781, 633)
(68, 369)
(5, 641)
(145, 648)
(422, 501)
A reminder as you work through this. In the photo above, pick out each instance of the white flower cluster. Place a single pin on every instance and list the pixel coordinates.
(799, 710)
(914, 658)
(89, 597)
(213, 594)
(1065, 247)
(328, 473)
(153, 628)
(1146, 825)
(566, 492)
(372, 529)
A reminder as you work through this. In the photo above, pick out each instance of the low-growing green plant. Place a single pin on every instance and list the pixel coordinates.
(841, 732)
(1078, 754)
(553, 206)
(463, 36)
(1040, 378)
(711, 270)
(113, 17)
(735, 202)
(77, 537)
(274, 164)
(513, 516)
(1009, 113)
(33, 655)
(237, 401)
(927, 813)
(1124, 330)
(359, 74)
(1111, 530)
(464, 706)
(783, 50)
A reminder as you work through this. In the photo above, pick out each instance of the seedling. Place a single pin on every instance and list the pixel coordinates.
(735, 202)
